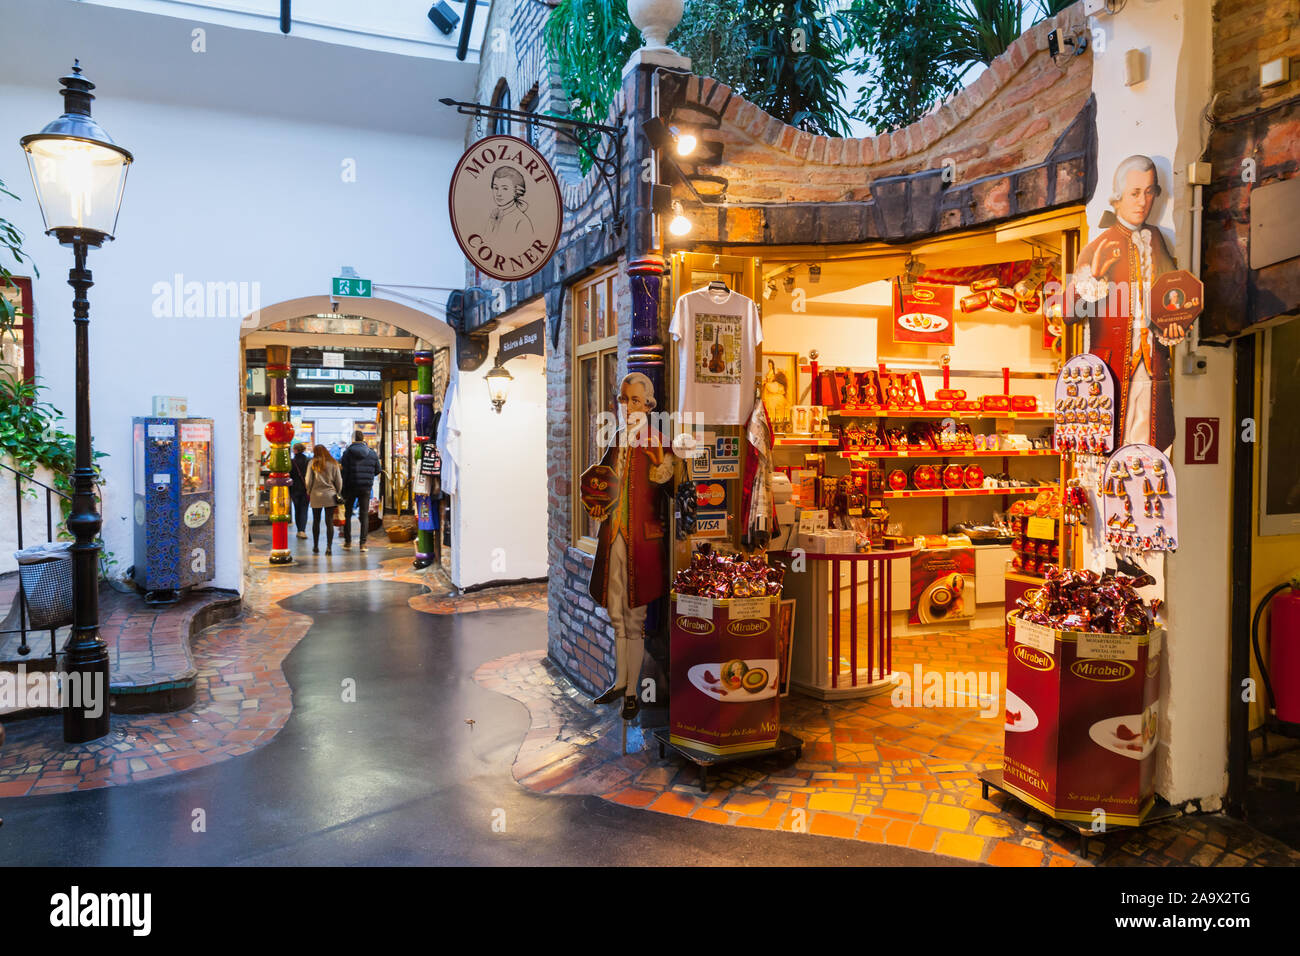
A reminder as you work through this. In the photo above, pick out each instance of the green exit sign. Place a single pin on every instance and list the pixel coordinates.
(357, 288)
(343, 388)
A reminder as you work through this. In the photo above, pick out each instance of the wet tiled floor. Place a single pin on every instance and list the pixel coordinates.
(243, 698)
(869, 770)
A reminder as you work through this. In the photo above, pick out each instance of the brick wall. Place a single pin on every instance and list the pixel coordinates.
(1251, 124)
(1013, 142)
(1248, 34)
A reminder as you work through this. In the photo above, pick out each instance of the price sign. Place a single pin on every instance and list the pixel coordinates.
(689, 605)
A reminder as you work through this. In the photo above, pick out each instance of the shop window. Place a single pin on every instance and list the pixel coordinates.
(17, 354)
(529, 105)
(501, 99)
(595, 377)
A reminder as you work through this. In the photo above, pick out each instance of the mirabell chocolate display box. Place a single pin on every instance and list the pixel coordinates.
(723, 673)
(1082, 705)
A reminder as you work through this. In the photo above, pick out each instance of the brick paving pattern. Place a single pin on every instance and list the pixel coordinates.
(869, 771)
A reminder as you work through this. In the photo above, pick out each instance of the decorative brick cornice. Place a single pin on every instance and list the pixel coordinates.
(1007, 120)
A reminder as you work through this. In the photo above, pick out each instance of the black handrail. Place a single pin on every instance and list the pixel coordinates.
(19, 478)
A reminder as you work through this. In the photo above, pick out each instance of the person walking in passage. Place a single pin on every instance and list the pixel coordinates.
(324, 486)
(360, 465)
(298, 490)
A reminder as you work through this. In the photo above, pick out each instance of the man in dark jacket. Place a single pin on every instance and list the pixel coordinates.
(360, 466)
(298, 490)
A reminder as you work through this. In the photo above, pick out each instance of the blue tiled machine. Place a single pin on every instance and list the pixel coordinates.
(173, 505)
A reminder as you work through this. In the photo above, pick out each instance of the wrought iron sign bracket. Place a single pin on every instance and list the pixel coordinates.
(607, 160)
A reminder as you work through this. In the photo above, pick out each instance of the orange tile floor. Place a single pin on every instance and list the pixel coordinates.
(869, 770)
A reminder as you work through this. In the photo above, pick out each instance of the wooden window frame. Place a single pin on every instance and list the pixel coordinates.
(25, 324)
(501, 125)
(597, 347)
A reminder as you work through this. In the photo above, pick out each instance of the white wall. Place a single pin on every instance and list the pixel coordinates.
(499, 511)
(1161, 118)
(219, 197)
(34, 526)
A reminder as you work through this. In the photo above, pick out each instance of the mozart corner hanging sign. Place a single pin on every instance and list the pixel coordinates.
(505, 208)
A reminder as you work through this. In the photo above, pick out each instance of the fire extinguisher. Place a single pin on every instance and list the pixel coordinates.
(1282, 676)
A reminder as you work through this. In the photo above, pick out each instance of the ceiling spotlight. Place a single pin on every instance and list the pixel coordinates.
(814, 273)
(686, 143)
(679, 225)
(769, 289)
(788, 281)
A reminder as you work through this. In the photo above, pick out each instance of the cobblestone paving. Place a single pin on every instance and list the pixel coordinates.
(869, 771)
(243, 697)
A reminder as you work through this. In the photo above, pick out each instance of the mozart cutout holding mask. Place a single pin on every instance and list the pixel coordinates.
(625, 492)
(1111, 289)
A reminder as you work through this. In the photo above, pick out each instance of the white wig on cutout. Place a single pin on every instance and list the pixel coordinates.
(1142, 164)
(647, 386)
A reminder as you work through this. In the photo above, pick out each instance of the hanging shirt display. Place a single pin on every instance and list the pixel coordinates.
(717, 334)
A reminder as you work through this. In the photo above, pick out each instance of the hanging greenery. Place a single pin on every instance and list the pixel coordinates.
(786, 56)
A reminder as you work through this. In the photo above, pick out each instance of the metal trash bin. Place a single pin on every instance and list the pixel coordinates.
(45, 572)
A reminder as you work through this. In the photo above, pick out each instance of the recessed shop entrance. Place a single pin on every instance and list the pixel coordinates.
(923, 434)
(352, 368)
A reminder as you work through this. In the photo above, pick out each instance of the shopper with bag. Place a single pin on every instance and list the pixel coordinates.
(298, 490)
(360, 465)
(325, 489)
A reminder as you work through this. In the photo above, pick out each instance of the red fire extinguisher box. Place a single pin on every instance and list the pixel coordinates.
(723, 670)
(1081, 722)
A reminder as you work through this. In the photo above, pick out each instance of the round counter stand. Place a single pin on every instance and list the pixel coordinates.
(1159, 813)
(788, 747)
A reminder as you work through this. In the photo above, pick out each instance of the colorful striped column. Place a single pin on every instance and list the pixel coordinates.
(425, 534)
(279, 432)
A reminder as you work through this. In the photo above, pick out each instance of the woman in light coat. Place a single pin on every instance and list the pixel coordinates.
(324, 488)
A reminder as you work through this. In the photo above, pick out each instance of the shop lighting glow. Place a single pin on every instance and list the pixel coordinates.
(498, 382)
(686, 143)
(679, 225)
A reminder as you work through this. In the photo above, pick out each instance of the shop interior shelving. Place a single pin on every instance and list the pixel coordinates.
(932, 453)
(963, 492)
(931, 413)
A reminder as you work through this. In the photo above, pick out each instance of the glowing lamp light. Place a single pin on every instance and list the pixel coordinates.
(498, 382)
(679, 225)
(78, 171)
(686, 143)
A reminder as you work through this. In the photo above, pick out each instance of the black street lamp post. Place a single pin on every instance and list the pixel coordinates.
(79, 174)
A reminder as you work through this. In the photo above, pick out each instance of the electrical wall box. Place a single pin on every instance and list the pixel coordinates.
(1194, 363)
(1094, 8)
(1198, 174)
(1274, 72)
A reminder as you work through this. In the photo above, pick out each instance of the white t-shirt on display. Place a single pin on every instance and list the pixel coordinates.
(717, 334)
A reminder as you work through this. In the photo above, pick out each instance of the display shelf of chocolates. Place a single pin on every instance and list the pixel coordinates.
(1088, 601)
(1034, 556)
(964, 492)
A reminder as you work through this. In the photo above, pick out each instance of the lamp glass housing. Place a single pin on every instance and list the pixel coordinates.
(79, 183)
(679, 225)
(498, 383)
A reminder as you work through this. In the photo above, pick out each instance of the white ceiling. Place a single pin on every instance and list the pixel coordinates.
(148, 57)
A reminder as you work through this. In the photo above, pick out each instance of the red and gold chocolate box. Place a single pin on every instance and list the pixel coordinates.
(1081, 722)
(723, 673)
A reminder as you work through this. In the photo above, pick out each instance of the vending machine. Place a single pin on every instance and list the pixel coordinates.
(173, 505)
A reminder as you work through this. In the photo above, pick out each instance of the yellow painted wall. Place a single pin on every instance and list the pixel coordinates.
(1274, 558)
